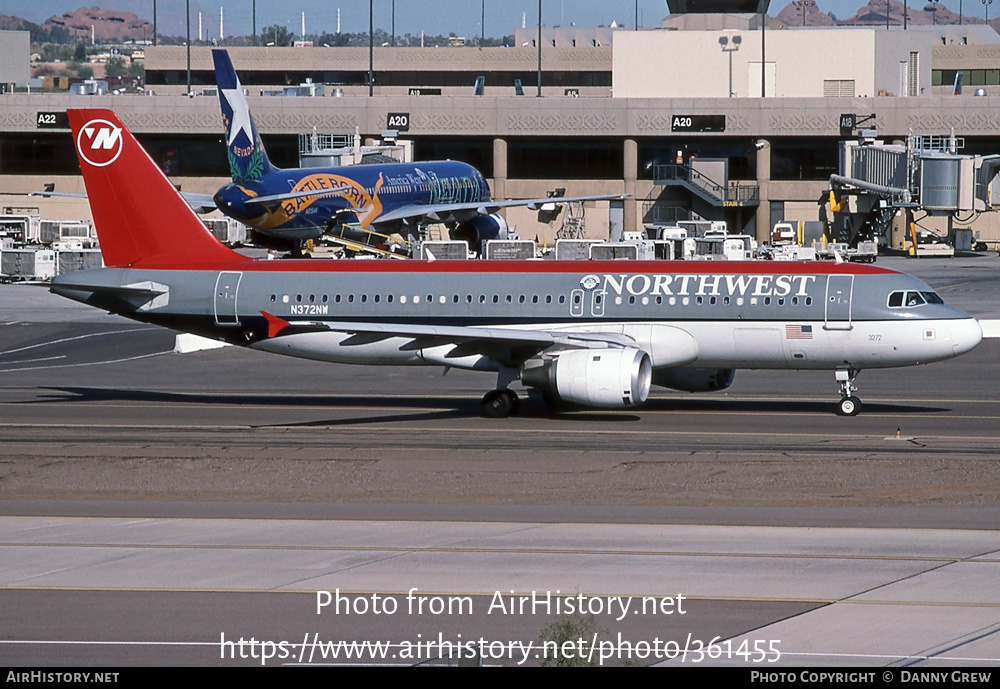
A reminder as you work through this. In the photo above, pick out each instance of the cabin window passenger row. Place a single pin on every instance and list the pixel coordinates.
(896, 299)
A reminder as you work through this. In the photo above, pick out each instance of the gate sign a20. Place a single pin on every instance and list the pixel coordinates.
(400, 121)
(698, 123)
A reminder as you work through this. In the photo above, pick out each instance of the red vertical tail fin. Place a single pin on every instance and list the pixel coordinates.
(140, 218)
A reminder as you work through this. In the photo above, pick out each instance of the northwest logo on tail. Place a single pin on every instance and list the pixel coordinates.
(99, 143)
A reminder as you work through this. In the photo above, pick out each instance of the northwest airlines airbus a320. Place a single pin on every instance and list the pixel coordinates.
(593, 333)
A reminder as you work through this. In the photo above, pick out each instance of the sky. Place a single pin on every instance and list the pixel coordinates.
(461, 17)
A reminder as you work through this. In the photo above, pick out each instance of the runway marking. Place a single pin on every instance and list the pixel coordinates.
(368, 429)
(216, 645)
(458, 397)
(77, 337)
(504, 551)
(516, 527)
(339, 423)
(488, 594)
(200, 405)
(87, 363)
(297, 407)
(427, 592)
(29, 361)
(342, 404)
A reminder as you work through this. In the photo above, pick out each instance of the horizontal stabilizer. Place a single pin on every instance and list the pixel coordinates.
(200, 203)
(64, 194)
(115, 290)
(451, 212)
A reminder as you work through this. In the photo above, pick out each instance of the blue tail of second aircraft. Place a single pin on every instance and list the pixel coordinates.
(247, 158)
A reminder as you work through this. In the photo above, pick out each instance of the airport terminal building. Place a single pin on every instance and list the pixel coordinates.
(756, 109)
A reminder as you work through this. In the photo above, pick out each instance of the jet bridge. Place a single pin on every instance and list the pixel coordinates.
(927, 175)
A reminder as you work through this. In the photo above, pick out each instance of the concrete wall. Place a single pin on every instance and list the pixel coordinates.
(803, 60)
(414, 62)
(894, 47)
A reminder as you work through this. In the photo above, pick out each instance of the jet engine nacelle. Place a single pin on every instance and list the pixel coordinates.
(694, 379)
(480, 229)
(610, 378)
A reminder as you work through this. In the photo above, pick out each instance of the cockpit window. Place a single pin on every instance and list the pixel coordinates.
(911, 299)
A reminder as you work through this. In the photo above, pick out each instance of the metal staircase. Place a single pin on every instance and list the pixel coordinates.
(734, 195)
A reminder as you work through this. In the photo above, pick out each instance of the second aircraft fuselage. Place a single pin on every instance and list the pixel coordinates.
(362, 194)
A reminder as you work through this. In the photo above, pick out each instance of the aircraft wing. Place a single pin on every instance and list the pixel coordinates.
(201, 203)
(295, 195)
(416, 214)
(509, 346)
(278, 327)
(57, 193)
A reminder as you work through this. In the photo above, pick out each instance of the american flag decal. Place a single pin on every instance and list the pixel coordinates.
(798, 332)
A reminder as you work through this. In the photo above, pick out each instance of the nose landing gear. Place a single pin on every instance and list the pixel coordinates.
(849, 404)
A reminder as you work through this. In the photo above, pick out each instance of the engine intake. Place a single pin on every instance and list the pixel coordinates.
(609, 378)
(480, 229)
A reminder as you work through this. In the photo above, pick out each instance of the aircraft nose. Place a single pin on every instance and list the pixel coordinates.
(966, 333)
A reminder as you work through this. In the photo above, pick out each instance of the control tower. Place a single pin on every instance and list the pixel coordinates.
(717, 6)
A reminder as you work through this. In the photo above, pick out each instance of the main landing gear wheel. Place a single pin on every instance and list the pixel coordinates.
(849, 406)
(498, 404)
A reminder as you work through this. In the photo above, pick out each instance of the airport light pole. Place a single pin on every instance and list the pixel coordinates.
(154, 22)
(253, 12)
(801, 6)
(187, 5)
(730, 46)
(763, 63)
(986, 4)
(371, 51)
(540, 48)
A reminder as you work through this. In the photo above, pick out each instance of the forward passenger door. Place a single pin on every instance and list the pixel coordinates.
(839, 289)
